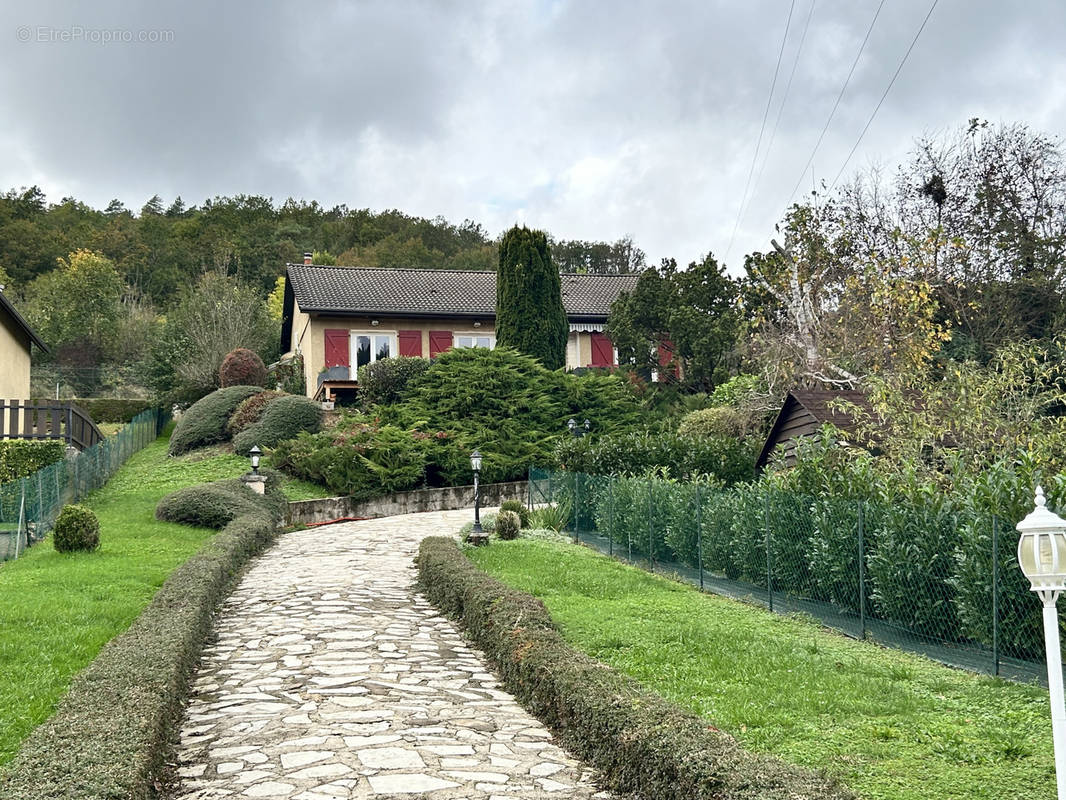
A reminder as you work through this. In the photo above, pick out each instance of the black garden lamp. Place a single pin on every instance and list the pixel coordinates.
(477, 535)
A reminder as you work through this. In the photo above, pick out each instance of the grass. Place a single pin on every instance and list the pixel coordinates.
(57, 610)
(889, 724)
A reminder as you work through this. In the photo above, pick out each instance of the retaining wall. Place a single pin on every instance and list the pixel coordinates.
(306, 512)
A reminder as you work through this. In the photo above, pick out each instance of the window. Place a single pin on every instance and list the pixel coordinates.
(369, 347)
(475, 340)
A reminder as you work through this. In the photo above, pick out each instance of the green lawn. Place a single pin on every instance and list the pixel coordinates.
(889, 724)
(58, 610)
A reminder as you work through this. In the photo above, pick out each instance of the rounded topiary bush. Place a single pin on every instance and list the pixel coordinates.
(507, 525)
(384, 381)
(250, 410)
(210, 505)
(518, 507)
(76, 528)
(205, 422)
(242, 367)
(282, 418)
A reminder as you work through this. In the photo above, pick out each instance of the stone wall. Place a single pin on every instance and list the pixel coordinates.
(306, 512)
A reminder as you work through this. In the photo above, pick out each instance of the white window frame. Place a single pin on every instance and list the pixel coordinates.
(353, 350)
(474, 335)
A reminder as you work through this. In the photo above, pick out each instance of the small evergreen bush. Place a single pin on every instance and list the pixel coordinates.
(76, 529)
(250, 410)
(282, 418)
(209, 505)
(518, 507)
(385, 381)
(205, 422)
(242, 367)
(717, 421)
(507, 525)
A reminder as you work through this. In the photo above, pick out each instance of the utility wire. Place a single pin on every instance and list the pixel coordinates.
(762, 128)
(833, 112)
(784, 101)
(888, 88)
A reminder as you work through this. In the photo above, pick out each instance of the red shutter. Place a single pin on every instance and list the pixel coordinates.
(666, 355)
(410, 343)
(439, 341)
(602, 350)
(337, 348)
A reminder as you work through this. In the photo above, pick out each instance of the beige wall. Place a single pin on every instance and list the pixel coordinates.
(14, 360)
(309, 337)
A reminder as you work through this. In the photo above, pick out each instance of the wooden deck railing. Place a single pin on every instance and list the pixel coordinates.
(21, 419)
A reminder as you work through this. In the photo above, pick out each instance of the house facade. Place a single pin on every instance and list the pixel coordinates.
(341, 318)
(16, 341)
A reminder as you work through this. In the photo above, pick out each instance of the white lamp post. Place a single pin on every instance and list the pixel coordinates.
(477, 535)
(254, 454)
(1042, 557)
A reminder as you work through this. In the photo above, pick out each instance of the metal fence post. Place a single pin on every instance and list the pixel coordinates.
(769, 564)
(610, 515)
(699, 535)
(577, 504)
(651, 542)
(995, 595)
(529, 488)
(862, 573)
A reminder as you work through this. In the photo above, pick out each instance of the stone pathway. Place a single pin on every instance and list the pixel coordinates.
(330, 678)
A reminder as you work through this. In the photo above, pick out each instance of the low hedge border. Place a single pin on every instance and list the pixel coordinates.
(640, 742)
(111, 731)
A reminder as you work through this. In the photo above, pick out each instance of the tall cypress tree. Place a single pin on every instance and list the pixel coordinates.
(529, 300)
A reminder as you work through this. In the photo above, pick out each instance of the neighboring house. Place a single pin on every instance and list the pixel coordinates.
(16, 339)
(804, 412)
(340, 318)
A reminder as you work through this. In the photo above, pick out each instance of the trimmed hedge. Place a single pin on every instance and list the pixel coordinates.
(113, 409)
(282, 418)
(242, 367)
(76, 528)
(205, 421)
(640, 742)
(110, 732)
(22, 457)
(250, 410)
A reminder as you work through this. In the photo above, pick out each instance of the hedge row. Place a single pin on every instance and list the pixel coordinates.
(113, 409)
(22, 457)
(640, 742)
(108, 736)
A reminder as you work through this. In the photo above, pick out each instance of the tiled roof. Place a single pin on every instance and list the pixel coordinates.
(432, 291)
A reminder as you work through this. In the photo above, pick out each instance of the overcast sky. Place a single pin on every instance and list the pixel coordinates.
(591, 120)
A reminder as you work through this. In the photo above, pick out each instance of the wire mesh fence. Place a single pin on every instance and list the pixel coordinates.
(921, 578)
(30, 505)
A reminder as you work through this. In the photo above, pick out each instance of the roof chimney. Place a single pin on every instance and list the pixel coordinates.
(308, 258)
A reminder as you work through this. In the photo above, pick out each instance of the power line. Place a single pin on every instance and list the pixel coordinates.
(762, 128)
(784, 101)
(877, 108)
(840, 96)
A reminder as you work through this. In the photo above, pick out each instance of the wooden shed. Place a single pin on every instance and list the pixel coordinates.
(804, 412)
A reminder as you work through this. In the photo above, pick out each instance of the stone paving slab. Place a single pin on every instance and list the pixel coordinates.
(331, 678)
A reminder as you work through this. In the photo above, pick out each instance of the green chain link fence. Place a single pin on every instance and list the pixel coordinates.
(29, 506)
(923, 579)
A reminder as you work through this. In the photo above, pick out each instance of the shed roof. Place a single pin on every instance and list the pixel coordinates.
(818, 404)
(21, 322)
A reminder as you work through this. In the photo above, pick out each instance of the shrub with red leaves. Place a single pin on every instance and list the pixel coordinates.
(242, 367)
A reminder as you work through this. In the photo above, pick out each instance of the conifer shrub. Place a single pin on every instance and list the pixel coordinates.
(76, 529)
(242, 367)
(282, 418)
(250, 410)
(206, 421)
(508, 525)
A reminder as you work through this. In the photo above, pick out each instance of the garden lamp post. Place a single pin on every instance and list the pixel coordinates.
(1042, 557)
(576, 430)
(254, 454)
(477, 535)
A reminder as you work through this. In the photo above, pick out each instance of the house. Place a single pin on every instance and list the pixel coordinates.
(340, 318)
(804, 412)
(16, 340)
